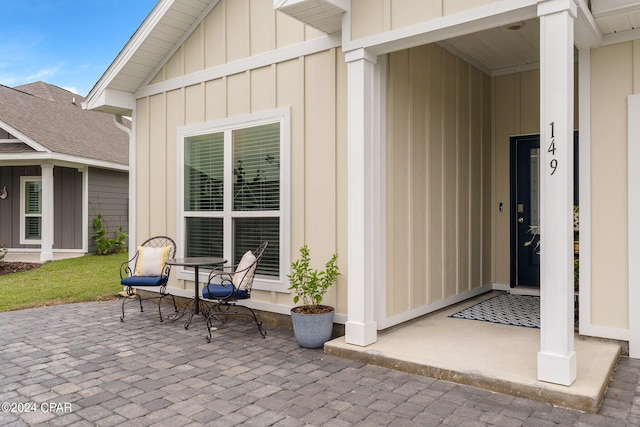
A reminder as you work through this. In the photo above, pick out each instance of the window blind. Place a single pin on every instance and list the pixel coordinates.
(249, 233)
(255, 188)
(204, 172)
(256, 168)
(33, 210)
(204, 237)
(33, 197)
(33, 227)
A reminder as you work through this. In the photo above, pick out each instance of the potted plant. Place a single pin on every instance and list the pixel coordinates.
(312, 321)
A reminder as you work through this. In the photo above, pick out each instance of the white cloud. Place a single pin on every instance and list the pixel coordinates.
(72, 89)
(43, 74)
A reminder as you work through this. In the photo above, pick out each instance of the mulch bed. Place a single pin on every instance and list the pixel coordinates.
(16, 267)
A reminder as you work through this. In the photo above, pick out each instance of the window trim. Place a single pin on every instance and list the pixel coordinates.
(282, 115)
(23, 214)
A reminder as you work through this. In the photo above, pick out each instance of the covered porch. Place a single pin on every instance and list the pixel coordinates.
(495, 357)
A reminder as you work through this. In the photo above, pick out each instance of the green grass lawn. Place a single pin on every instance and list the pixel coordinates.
(88, 278)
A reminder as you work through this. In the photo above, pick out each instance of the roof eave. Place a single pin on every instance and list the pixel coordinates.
(96, 99)
(61, 160)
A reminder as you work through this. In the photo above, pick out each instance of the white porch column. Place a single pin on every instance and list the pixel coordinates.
(46, 245)
(360, 328)
(633, 179)
(557, 358)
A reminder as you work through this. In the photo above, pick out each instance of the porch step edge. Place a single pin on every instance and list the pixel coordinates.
(584, 402)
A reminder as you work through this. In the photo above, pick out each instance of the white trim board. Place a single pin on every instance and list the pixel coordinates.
(243, 65)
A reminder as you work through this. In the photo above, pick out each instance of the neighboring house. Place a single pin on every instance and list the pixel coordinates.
(426, 142)
(60, 166)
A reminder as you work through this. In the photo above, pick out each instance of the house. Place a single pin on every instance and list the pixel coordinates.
(426, 142)
(60, 166)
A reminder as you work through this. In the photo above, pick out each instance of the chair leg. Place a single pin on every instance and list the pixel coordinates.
(175, 306)
(209, 328)
(160, 308)
(221, 310)
(257, 322)
(131, 294)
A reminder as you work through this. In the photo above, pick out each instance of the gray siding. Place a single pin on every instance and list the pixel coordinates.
(108, 196)
(10, 207)
(67, 206)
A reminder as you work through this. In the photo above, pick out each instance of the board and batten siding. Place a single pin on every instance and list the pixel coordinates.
(516, 106)
(108, 196)
(67, 206)
(372, 17)
(614, 76)
(10, 207)
(438, 178)
(312, 86)
(235, 30)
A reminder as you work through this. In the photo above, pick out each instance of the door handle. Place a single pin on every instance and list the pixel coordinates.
(521, 220)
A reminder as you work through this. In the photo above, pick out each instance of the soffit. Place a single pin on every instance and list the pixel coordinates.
(325, 15)
(502, 50)
(159, 36)
(158, 44)
(616, 16)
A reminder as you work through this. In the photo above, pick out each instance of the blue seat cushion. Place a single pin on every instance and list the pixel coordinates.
(224, 292)
(144, 280)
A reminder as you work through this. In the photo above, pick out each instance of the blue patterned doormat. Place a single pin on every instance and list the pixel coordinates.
(506, 309)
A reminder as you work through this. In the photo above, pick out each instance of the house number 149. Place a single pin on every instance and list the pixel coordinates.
(552, 149)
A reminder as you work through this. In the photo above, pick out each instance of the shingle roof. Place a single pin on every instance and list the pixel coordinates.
(47, 115)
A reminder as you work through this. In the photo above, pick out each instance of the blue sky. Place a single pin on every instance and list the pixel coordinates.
(68, 43)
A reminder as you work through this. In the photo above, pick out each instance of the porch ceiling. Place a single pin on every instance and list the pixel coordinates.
(516, 47)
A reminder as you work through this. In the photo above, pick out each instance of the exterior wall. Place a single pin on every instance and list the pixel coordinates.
(371, 17)
(108, 196)
(439, 166)
(67, 206)
(235, 30)
(313, 86)
(614, 76)
(516, 111)
(10, 207)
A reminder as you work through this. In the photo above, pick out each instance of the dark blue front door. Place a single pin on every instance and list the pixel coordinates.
(525, 203)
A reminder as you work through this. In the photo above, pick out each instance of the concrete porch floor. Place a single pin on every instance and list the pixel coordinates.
(35, 256)
(495, 357)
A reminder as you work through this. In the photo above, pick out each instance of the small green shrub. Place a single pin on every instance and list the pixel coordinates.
(105, 245)
(309, 284)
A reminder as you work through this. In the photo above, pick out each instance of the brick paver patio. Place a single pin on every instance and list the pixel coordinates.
(78, 365)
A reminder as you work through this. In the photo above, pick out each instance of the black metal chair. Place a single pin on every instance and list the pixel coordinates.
(228, 285)
(147, 269)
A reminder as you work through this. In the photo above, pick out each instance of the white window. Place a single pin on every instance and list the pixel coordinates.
(30, 210)
(234, 191)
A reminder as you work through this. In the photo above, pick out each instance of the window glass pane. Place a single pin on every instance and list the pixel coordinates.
(33, 197)
(256, 168)
(32, 227)
(204, 237)
(534, 195)
(249, 233)
(204, 172)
